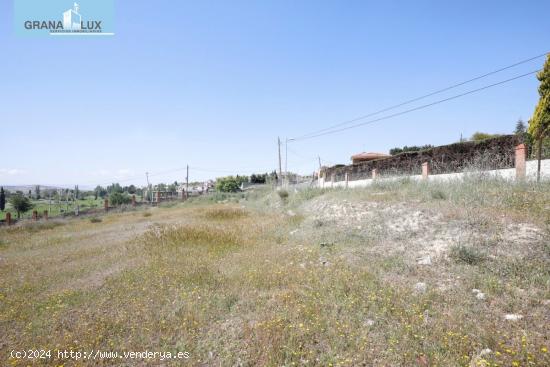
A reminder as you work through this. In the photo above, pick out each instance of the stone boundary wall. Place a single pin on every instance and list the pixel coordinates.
(507, 174)
(490, 154)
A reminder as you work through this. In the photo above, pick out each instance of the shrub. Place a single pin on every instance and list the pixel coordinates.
(467, 255)
(147, 214)
(438, 195)
(283, 194)
(228, 184)
(118, 198)
(95, 220)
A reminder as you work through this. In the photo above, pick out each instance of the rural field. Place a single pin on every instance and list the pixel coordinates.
(56, 208)
(396, 274)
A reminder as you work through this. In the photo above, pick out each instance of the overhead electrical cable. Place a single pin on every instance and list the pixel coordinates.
(332, 131)
(316, 132)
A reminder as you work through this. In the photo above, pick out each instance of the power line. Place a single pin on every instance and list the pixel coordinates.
(417, 108)
(308, 135)
(214, 170)
(315, 158)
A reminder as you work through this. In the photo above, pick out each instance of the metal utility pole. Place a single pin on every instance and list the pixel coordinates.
(280, 168)
(187, 182)
(319, 162)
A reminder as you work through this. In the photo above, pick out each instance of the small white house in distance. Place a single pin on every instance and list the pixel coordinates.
(72, 19)
(195, 190)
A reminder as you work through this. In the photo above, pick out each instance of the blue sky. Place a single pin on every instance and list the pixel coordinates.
(212, 84)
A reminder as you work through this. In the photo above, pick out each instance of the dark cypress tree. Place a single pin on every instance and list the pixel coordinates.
(2, 199)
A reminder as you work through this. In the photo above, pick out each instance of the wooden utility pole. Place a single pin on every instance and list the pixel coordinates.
(280, 167)
(187, 182)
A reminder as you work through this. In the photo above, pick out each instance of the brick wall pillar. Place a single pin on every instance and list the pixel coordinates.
(45, 215)
(374, 173)
(106, 204)
(521, 154)
(133, 200)
(347, 179)
(35, 215)
(8, 218)
(425, 170)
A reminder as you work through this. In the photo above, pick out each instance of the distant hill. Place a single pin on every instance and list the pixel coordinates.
(26, 188)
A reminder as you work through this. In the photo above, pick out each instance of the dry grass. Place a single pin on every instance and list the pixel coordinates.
(224, 213)
(266, 282)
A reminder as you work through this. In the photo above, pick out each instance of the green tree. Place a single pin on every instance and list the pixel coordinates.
(100, 191)
(258, 178)
(172, 188)
(228, 184)
(2, 199)
(414, 148)
(37, 192)
(119, 198)
(478, 136)
(20, 204)
(539, 125)
(521, 129)
(114, 188)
